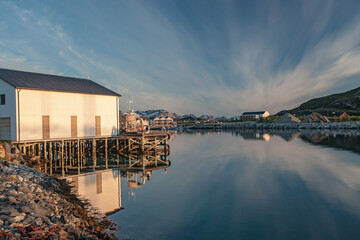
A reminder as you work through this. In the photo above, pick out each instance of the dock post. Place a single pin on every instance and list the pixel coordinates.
(45, 156)
(117, 152)
(62, 158)
(56, 155)
(70, 154)
(94, 154)
(117, 145)
(51, 157)
(78, 156)
(142, 142)
(106, 152)
(66, 156)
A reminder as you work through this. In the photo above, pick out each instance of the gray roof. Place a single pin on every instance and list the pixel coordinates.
(253, 113)
(46, 82)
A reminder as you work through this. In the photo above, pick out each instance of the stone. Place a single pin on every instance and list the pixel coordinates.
(38, 222)
(63, 234)
(2, 151)
(5, 217)
(12, 200)
(19, 217)
(3, 198)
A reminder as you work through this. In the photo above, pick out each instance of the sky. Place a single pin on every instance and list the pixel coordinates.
(191, 56)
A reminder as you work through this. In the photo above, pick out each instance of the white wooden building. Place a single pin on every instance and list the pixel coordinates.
(36, 106)
(163, 121)
(254, 115)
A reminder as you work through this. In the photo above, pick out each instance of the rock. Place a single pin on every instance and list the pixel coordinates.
(19, 217)
(32, 199)
(63, 235)
(2, 151)
(12, 200)
(5, 217)
(38, 222)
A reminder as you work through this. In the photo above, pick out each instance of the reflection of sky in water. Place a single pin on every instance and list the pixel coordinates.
(221, 186)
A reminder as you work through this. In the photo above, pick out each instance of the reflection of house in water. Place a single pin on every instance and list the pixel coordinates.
(102, 189)
(255, 136)
(287, 136)
(341, 141)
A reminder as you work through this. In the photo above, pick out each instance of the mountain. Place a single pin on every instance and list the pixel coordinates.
(348, 102)
(207, 117)
(189, 116)
(158, 113)
(151, 114)
(221, 118)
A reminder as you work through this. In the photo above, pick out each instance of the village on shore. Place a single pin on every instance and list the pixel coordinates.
(257, 120)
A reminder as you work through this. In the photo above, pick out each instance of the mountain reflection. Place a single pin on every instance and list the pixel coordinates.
(103, 189)
(346, 141)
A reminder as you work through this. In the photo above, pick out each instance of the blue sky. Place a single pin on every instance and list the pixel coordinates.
(191, 56)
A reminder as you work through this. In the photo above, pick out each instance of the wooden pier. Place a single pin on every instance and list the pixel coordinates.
(81, 154)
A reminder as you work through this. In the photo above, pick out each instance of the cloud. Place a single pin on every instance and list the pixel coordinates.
(217, 59)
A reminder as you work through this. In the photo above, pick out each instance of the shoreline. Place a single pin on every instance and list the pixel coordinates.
(33, 204)
(281, 126)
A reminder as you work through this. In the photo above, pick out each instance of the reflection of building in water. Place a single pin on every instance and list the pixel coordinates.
(341, 141)
(102, 189)
(288, 136)
(140, 170)
(255, 136)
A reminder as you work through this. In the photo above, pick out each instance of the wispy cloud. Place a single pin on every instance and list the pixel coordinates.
(222, 58)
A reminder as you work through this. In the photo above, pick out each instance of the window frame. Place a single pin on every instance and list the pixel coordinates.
(2, 99)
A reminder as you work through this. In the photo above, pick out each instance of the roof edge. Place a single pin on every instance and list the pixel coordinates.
(47, 90)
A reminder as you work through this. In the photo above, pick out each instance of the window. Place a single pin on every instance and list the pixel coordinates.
(2, 99)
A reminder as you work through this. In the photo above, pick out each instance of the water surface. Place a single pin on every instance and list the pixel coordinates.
(243, 186)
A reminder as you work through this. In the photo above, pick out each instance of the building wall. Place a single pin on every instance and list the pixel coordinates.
(60, 106)
(266, 114)
(254, 116)
(9, 109)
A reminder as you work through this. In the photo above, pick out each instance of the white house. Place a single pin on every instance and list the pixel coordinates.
(254, 115)
(36, 106)
(163, 121)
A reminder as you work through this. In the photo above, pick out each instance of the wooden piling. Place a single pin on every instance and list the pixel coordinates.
(106, 152)
(62, 159)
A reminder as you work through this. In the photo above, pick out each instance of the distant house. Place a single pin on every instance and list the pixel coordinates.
(163, 121)
(315, 118)
(248, 116)
(339, 114)
(288, 118)
(37, 106)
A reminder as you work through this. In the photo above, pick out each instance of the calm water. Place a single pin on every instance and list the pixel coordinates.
(239, 186)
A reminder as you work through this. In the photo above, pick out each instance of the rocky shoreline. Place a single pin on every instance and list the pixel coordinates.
(34, 205)
(296, 126)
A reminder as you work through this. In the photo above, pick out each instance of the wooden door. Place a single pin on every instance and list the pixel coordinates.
(74, 126)
(5, 129)
(46, 127)
(97, 126)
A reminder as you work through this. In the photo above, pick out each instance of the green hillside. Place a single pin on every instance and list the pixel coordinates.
(348, 102)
